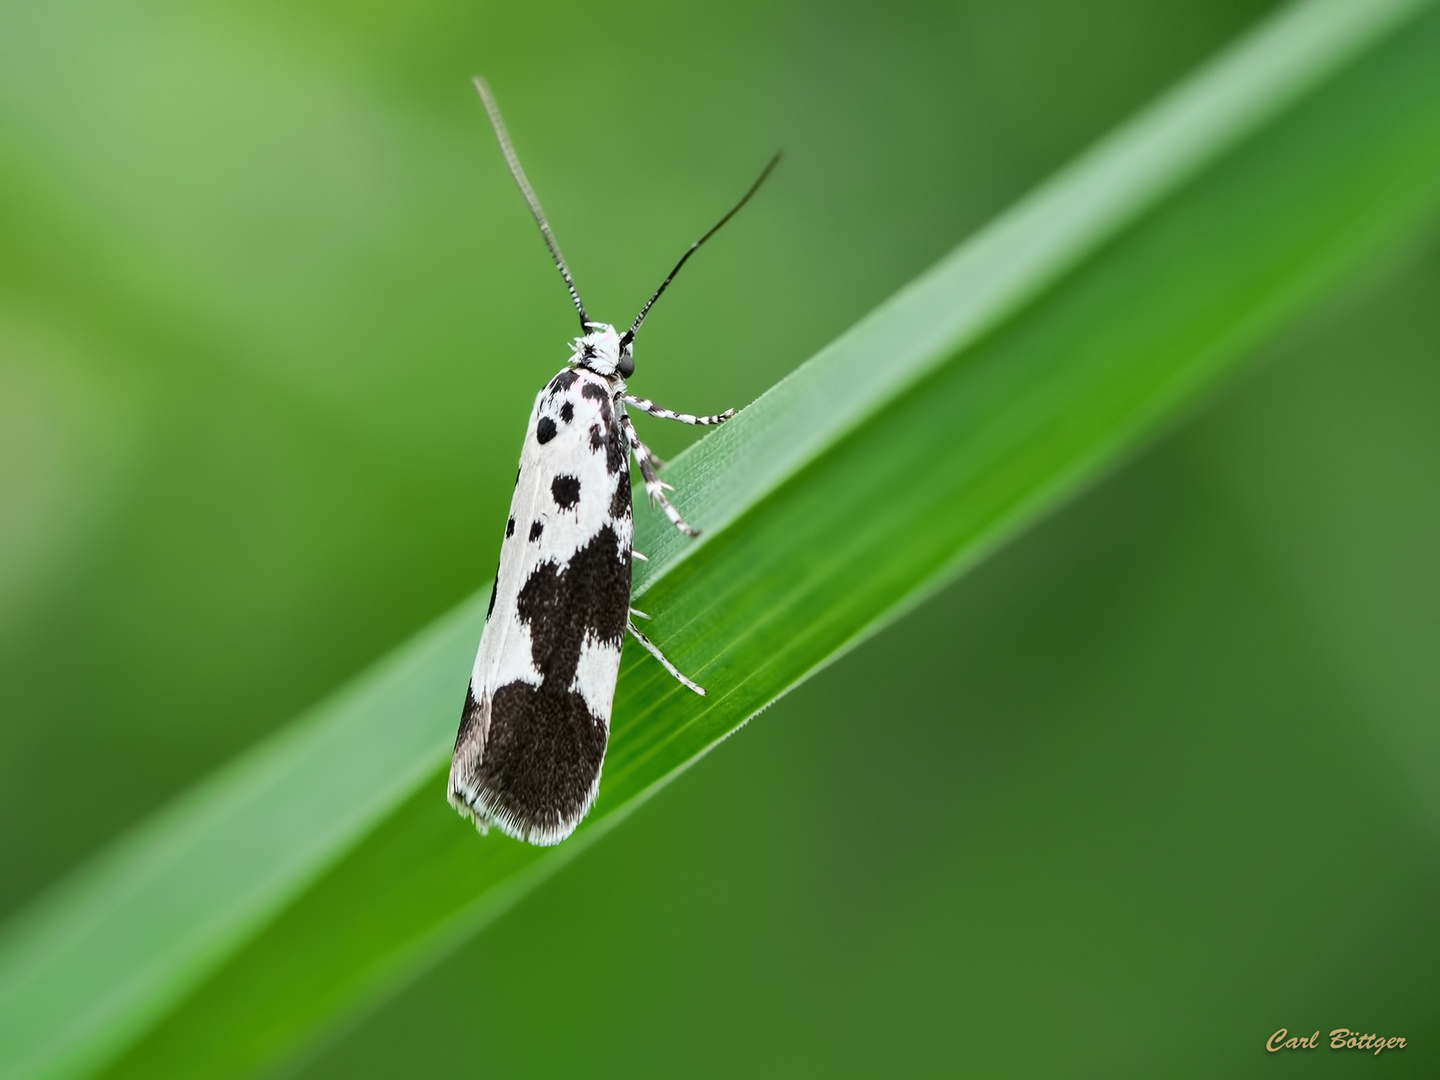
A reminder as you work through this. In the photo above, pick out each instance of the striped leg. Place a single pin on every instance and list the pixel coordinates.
(648, 406)
(654, 486)
(655, 652)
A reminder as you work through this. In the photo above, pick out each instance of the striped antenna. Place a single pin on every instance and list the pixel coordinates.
(629, 335)
(498, 123)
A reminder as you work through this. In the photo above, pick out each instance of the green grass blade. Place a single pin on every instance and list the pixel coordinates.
(324, 865)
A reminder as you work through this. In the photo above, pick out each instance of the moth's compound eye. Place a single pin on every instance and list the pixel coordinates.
(626, 367)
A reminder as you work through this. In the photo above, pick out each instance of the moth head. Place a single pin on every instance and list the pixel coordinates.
(604, 351)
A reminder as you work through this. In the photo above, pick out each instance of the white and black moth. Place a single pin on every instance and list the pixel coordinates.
(537, 715)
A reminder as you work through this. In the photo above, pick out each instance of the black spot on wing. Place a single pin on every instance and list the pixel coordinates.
(542, 756)
(597, 438)
(509, 528)
(567, 411)
(620, 501)
(563, 381)
(590, 596)
(544, 430)
(536, 528)
(565, 490)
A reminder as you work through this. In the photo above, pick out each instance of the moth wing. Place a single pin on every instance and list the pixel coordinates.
(537, 716)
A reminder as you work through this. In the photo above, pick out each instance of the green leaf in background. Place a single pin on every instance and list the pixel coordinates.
(324, 865)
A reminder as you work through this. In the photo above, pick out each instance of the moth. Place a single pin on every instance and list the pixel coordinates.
(536, 719)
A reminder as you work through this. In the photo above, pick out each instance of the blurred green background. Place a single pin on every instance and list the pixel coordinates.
(1159, 779)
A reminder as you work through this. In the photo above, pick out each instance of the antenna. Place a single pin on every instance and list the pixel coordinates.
(629, 335)
(498, 123)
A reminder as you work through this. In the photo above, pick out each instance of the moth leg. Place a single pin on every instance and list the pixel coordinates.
(638, 613)
(655, 652)
(648, 406)
(655, 488)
